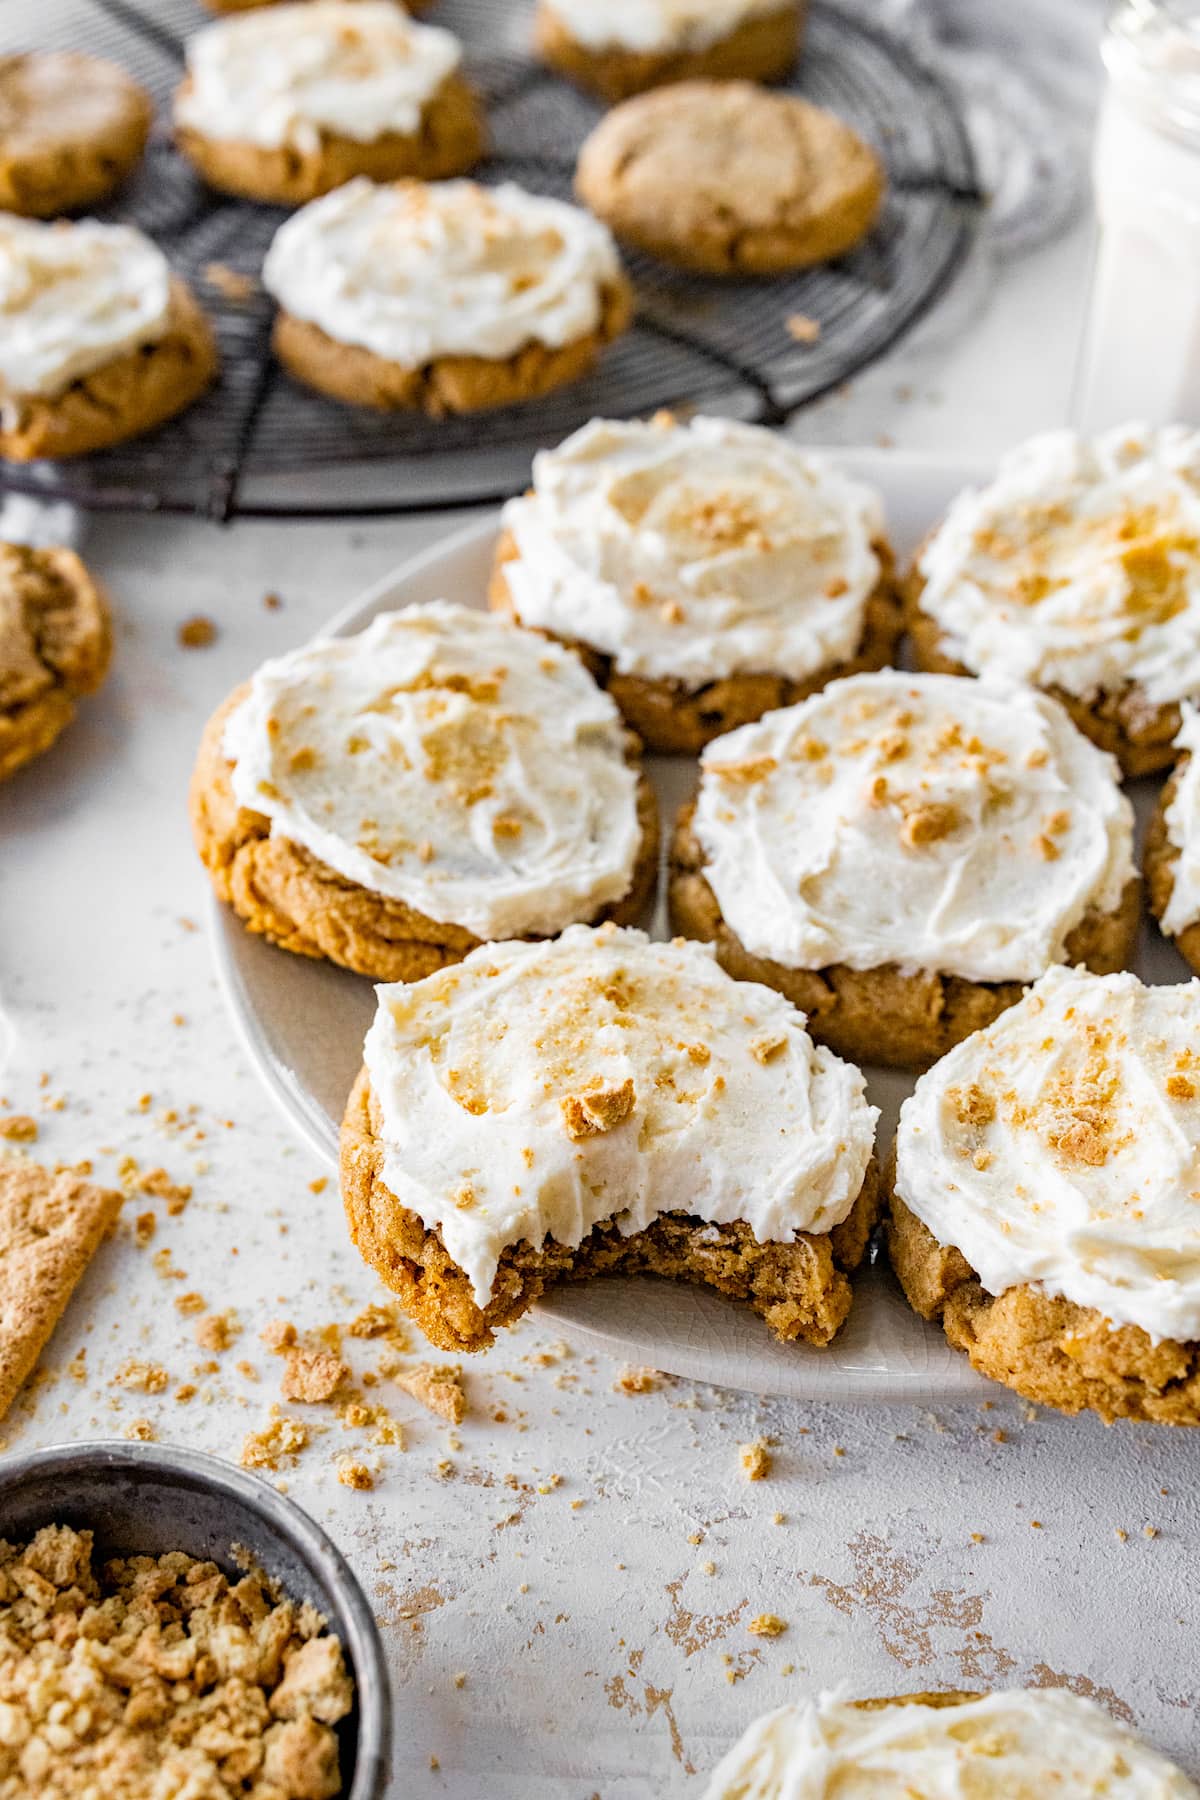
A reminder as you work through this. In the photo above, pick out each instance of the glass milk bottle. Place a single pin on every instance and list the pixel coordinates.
(1141, 349)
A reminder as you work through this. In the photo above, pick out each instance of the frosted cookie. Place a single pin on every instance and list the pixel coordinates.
(1173, 846)
(629, 45)
(603, 1104)
(98, 340)
(1001, 1746)
(72, 129)
(394, 799)
(55, 644)
(288, 102)
(726, 179)
(1077, 569)
(900, 854)
(448, 298)
(1045, 1197)
(708, 571)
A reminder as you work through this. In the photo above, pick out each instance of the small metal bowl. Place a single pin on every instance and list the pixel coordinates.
(145, 1499)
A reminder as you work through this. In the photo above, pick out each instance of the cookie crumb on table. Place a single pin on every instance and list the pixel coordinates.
(279, 1442)
(356, 1475)
(439, 1389)
(756, 1460)
(768, 1625)
(278, 1335)
(637, 1381)
(197, 633)
(312, 1375)
(217, 1331)
(19, 1128)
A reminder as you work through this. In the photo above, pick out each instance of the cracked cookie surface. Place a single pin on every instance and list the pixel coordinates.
(55, 645)
(725, 179)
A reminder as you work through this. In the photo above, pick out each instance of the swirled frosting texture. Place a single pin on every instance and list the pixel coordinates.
(1061, 1147)
(1019, 1745)
(413, 271)
(536, 1090)
(447, 760)
(658, 25)
(695, 551)
(1078, 566)
(282, 76)
(1183, 829)
(924, 820)
(74, 297)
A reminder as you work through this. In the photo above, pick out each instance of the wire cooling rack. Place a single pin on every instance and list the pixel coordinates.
(260, 445)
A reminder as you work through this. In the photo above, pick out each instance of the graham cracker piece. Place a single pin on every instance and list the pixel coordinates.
(50, 1228)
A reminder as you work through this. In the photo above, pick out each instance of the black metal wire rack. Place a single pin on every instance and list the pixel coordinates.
(260, 445)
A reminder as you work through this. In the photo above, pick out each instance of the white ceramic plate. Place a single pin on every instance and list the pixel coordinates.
(303, 1023)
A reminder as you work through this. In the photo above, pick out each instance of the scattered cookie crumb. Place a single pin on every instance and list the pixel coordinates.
(637, 1381)
(356, 1475)
(144, 1228)
(140, 1431)
(188, 1304)
(312, 1375)
(756, 1460)
(217, 1331)
(282, 1440)
(157, 1184)
(278, 1335)
(768, 1625)
(142, 1377)
(440, 1389)
(19, 1128)
(197, 633)
(802, 328)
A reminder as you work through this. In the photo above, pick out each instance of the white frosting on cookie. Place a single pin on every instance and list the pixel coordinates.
(74, 297)
(284, 75)
(1078, 566)
(1061, 1147)
(926, 820)
(1182, 820)
(413, 271)
(695, 551)
(449, 760)
(535, 1090)
(1020, 1745)
(658, 25)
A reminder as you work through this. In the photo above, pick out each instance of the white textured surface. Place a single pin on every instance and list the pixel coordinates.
(606, 1675)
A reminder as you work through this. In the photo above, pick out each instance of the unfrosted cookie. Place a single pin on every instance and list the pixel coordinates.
(447, 298)
(100, 341)
(1077, 569)
(1044, 1197)
(55, 644)
(72, 128)
(392, 800)
(901, 853)
(625, 46)
(287, 103)
(726, 179)
(603, 1104)
(1172, 856)
(1018, 1742)
(708, 571)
